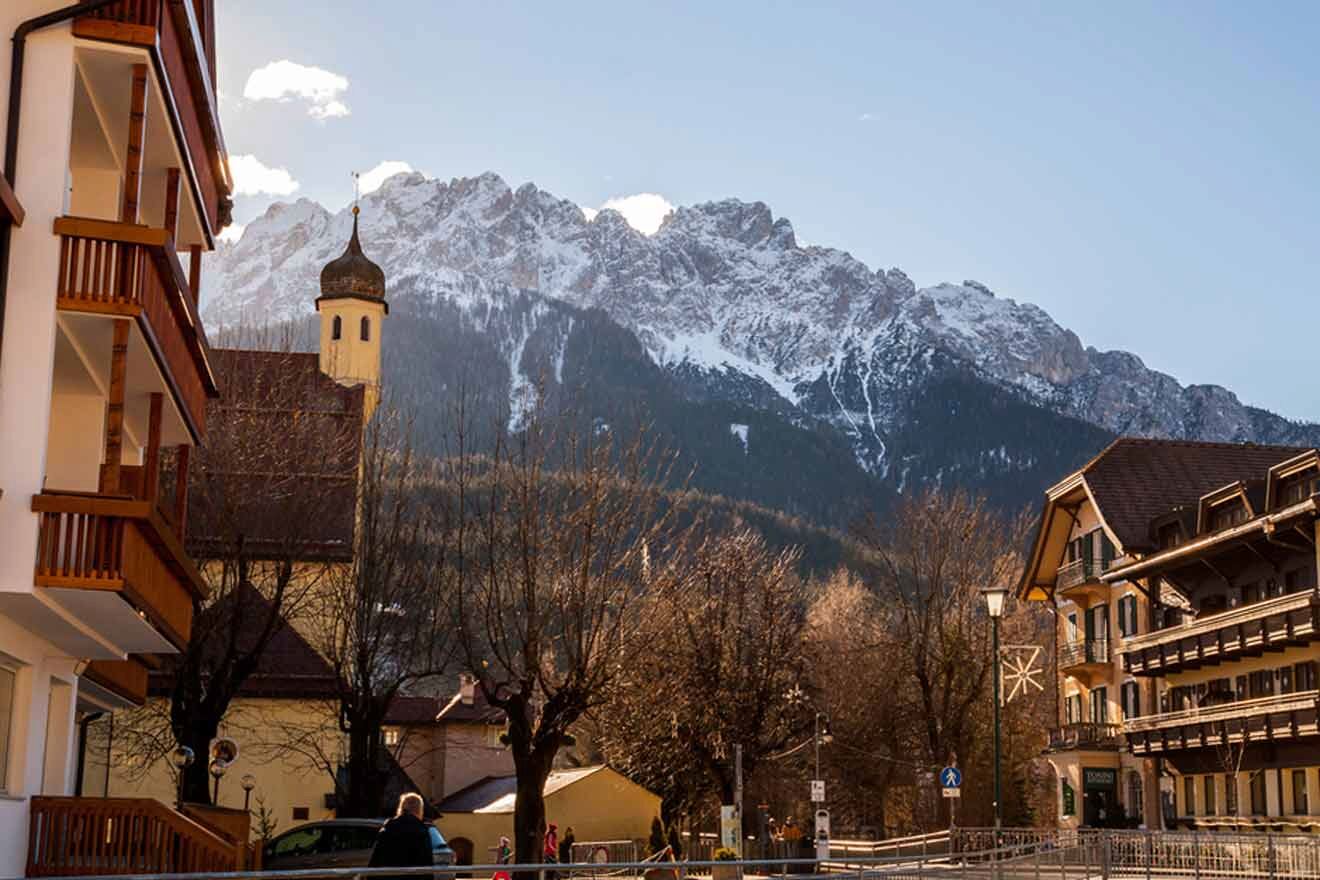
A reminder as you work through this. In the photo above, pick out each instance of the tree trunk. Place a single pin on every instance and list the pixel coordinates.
(365, 794)
(197, 782)
(533, 768)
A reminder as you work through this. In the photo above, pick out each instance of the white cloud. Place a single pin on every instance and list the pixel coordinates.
(866, 117)
(286, 80)
(643, 211)
(589, 213)
(370, 181)
(231, 233)
(253, 178)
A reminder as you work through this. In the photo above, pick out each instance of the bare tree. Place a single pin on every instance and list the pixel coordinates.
(551, 537)
(271, 500)
(931, 558)
(388, 614)
(724, 668)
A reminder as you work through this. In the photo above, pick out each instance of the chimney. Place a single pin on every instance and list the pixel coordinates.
(467, 688)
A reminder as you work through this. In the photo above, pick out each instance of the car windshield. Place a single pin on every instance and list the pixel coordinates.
(437, 839)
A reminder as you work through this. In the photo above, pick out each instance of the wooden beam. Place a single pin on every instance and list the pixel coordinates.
(181, 455)
(151, 462)
(172, 176)
(195, 271)
(137, 133)
(10, 207)
(114, 410)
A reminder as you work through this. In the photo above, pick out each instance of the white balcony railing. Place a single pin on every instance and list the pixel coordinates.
(1203, 625)
(1296, 701)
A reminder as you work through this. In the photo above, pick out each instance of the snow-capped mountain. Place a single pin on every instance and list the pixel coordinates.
(726, 302)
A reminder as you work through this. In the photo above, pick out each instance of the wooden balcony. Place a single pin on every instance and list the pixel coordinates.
(82, 836)
(118, 545)
(1245, 631)
(133, 271)
(1085, 659)
(170, 31)
(1086, 736)
(1079, 581)
(126, 679)
(1265, 719)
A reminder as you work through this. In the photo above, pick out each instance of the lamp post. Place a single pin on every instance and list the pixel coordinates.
(248, 782)
(218, 769)
(994, 603)
(182, 758)
(823, 735)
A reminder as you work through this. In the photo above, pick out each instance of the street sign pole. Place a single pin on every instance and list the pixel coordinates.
(738, 793)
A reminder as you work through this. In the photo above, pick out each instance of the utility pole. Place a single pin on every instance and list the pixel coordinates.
(738, 793)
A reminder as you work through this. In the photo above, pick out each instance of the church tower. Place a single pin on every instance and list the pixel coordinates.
(353, 309)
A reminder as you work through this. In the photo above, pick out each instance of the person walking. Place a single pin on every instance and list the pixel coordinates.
(506, 851)
(405, 840)
(550, 852)
(566, 847)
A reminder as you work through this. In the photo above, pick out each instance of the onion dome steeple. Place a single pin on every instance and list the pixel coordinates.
(352, 274)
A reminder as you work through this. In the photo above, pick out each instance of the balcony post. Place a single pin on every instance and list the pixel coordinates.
(137, 131)
(151, 461)
(195, 271)
(172, 202)
(181, 455)
(114, 410)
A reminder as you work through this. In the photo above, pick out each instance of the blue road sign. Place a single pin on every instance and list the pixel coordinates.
(951, 777)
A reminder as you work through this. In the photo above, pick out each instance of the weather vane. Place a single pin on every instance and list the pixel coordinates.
(357, 190)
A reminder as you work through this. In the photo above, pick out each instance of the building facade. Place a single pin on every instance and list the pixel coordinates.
(114, 183)
(1151, 548)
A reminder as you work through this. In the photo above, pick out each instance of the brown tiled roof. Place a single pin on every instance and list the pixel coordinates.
(241, 476)
(1134, 480)
(289, 668)
(477, 710)
(413, 710)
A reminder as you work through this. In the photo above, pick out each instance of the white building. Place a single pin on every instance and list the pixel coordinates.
(114, 167)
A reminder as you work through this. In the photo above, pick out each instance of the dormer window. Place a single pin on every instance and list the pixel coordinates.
(1298, 488)
(1169, 535)
(1226, 515)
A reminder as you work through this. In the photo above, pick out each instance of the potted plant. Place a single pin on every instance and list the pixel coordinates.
(730, 871)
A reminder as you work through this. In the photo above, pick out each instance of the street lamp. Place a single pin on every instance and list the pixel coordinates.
(248, 782)
(823, 735)
(218, 769)
(182, 758)
(994, 604)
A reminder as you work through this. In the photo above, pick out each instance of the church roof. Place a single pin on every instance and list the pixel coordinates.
(352, 274)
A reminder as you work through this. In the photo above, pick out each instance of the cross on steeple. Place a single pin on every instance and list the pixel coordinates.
(357, 190)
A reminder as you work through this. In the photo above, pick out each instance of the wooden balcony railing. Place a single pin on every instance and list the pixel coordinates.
(1277, 622)
(100, 542)
(1086, 735)
(129, 270)
(82, 836)
(126, 678)
(1080, 571)
(1264, 719)
(170, 30)
(1083, 651)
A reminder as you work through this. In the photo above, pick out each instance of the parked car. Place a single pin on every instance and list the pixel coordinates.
(337, 843)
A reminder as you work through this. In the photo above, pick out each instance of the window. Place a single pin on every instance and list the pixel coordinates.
(493, 734)
(1230, 513)
(1230, 794)
(1260, 684)
(1298, 488)
(365, 329)
(1189, 796)
(1135, 808)
(348, 838)
(1299, 579)
(1258, 793)
(7, 678)
(1072, 709)
(1300, 804)
(391, 736)
(300, 814)
(1169, 536)
(300, 841)
(1208, 787)
(1131, 699)
(1106, 552)
(1285, 680)
(337, 328)
(1072, 626)
(1069, 798)
(1127, 615)
(1304, 676)
(1099, 705)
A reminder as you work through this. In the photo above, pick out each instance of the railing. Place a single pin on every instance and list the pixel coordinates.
(1297, 701)
(106, 543)
(77, 836)
(170, 29)
(1205, 625)
(1079, 571)
(1086, 735)
(125, 269)
(1083, 651)
(127, 678)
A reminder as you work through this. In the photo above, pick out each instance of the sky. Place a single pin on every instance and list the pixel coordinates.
(1145, 172)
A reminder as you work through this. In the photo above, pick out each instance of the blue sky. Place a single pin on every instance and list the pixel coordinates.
(1147, 173)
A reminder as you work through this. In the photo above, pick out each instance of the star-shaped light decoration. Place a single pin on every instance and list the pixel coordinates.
(1018, 671)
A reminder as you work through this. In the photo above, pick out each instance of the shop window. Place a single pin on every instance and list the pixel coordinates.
(1069, 798)
(1258, 793)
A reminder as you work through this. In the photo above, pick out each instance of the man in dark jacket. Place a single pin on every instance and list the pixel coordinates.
(405, 840)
